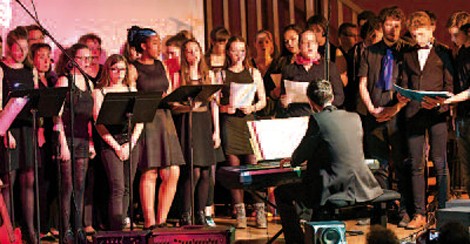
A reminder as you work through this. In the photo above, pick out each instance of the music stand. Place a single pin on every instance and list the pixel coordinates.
(119, 108)
(45, 102)
(188, 94)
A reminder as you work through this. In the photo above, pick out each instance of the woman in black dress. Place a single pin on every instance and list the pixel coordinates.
(161, 152)
(234, 117)
(205, 131)
(14, 75)
(82, 141)
(114, 143)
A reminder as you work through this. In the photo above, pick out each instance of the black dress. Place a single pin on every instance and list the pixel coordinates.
(160, 145)
(83, 115)
(22, 126)
(202, 128)
(234, 129)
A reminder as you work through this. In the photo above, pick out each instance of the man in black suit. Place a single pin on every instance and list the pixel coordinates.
(332, 148)
(426, 67)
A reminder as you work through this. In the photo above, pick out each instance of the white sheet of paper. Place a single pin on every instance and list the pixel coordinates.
(9, 113)
(296, 92)
(277, 138)
(242, 95)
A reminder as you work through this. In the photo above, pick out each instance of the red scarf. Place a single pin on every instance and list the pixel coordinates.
(306, 61)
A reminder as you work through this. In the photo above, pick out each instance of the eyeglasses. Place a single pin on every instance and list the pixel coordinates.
(117, 70)
(83, 58)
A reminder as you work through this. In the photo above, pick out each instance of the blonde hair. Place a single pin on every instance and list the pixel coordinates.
(419, 19)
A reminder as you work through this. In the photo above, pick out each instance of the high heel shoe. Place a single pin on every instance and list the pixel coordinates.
(150, 227)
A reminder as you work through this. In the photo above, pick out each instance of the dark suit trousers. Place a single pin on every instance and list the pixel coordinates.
(386, 142)
(463, 140)
(436, 126)
(285, 196)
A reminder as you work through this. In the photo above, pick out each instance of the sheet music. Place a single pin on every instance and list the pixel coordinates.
(296, 92)
(277, 138)
(242, 95)
(419, 95)
(9, 113)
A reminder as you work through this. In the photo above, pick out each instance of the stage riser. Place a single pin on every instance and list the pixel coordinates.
(198, 235)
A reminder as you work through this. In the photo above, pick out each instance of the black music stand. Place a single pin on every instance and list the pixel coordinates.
(188, 94)
(121, 108)
(45, 102)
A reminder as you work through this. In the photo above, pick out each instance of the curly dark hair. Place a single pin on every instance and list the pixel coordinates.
(391, 12)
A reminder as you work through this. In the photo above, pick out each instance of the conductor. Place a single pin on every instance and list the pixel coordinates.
(332, 148)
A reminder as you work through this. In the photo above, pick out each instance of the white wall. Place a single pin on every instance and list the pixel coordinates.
(67, 20)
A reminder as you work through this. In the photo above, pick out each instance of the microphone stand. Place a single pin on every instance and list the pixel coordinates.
(71, 83)
(327, 43)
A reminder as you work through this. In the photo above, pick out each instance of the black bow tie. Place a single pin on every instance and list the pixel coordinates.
(425, 47)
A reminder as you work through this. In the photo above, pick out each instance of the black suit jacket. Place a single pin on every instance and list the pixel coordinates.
(437, 74)
(332, 147)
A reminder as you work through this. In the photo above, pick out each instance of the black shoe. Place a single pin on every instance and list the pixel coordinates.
(81, 236)
(150, 227)
(200, 218)
(185, 219)
(68, 237)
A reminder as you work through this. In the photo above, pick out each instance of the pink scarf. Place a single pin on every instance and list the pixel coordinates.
(306, 61)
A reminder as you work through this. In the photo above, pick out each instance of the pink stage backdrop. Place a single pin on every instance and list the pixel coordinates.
(67, 20)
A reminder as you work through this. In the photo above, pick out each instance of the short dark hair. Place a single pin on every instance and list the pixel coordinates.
(176, 40)
(381, 235)
(317, 19)
(320, 92)
(342, 30)
(36, 46)
(219, 33)
(89, 36)
(34, 27)
(365, 15)
(432, 16)
(453, 233)
(370, 26)
(136, 36)
(465, 28)
(458, 19)
(391, 12)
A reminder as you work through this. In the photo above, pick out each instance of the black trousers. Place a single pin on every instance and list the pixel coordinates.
(117, 173)
(436, 127)
(78, 187)
(285, 196)
(386, 142)
(463, 143)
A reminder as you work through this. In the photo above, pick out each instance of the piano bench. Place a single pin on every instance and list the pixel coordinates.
(379, 211)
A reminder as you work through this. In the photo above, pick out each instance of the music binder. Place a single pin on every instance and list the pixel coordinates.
(116, 106)
(196, 92)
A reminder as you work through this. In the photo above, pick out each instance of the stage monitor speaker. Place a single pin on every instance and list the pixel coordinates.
(455, 211)
(121, 237)
(193, 235)
(325, 232)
